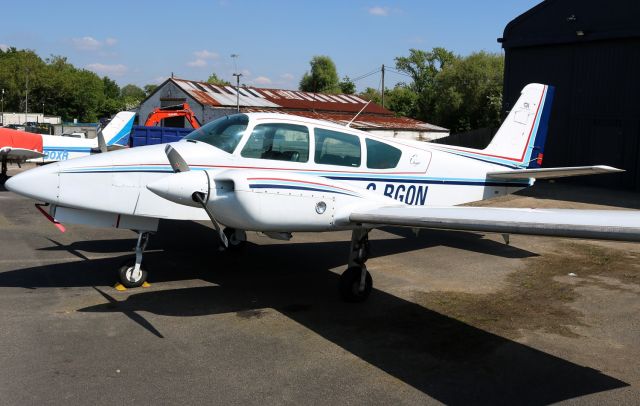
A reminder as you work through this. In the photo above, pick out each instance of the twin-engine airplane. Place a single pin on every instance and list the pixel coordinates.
(278, 174)
(19, 146)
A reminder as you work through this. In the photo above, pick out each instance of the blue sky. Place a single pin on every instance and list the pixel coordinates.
(144, 41)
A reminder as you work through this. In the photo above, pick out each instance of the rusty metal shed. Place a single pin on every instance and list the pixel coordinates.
(212, 101)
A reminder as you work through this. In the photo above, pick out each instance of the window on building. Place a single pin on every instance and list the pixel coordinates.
(381, 155)
(336, 148)
(277, 141)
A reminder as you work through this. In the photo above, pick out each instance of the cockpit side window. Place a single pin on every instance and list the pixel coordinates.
(336, 148)
(381, 155)
(224, 133)
(278, 141)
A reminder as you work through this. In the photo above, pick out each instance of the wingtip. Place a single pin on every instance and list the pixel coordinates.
(607, 168)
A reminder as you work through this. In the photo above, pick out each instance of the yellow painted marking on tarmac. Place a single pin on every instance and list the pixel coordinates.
(120, 287)
(146, 284)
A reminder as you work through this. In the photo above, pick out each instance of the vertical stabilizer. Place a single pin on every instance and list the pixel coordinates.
(119, 128)
(521, 137)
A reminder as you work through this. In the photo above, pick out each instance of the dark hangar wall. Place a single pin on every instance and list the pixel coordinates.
(590, 51)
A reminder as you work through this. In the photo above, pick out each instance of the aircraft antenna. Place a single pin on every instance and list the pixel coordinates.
(356, 116)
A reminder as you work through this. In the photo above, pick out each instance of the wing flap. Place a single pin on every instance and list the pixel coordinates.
(620, 225)
(550, 173)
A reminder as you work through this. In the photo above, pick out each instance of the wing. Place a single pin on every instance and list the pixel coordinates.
(621, 225)
(20, 153)
(549, 173)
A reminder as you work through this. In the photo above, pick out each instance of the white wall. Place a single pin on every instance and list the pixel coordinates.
(410, 135)
(21, 118)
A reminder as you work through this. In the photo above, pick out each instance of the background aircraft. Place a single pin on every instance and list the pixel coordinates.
(20, 146)
(278, 174)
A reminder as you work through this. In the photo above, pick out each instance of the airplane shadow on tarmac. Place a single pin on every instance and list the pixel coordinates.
(446, 359)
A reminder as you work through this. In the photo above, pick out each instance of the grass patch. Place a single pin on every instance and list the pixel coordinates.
(535, 298)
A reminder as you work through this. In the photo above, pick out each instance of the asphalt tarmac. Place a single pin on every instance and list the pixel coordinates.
(454, 317)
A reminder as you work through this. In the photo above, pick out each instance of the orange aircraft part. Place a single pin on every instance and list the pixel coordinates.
(20, 139)
(161, 113)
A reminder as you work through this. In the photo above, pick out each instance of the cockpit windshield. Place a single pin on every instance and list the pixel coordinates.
(224, 133)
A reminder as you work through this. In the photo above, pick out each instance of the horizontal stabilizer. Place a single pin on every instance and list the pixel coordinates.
(620, 225)
(550, 173)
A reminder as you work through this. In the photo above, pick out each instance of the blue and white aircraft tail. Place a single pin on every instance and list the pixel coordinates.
(114, 135)
(118, 130)
(519, 143)
(521, 138)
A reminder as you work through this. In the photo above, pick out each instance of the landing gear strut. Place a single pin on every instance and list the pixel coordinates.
(131, 273)
(356, 282)
(3, 171)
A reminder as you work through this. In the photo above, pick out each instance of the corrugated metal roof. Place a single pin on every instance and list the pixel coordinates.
(212, 95)
(364, 121)
(339, 109)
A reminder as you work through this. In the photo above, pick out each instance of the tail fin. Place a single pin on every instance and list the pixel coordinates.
(119, 128)
(521, 138)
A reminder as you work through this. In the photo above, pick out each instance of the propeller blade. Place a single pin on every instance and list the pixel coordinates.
(178, 164)
(200, 199)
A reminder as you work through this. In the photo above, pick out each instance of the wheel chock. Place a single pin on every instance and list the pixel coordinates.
(145, 284)
(120, 287)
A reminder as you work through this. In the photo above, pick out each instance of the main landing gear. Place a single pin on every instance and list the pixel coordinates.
(356, 282)
(237, 238)
(131, 273)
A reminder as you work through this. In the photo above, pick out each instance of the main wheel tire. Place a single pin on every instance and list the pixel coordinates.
(128, 278)
(237, 238)
(350, 285)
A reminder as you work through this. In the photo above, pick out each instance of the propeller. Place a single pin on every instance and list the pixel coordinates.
(178, 164)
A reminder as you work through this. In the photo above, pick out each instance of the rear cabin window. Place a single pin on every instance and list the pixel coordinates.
(336, 148)
(381, 155)
(280, 142)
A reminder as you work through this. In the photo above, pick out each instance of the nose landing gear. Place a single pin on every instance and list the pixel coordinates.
(131, 273)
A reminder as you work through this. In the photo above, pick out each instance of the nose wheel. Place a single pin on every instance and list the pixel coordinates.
(356, 282)
(131, 276)
(131, 273)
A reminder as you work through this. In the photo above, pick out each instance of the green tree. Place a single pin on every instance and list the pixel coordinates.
(470, 92)
(371, 94)
(111, 88)
(323, 77)
(150, 88)
(423, 67)
(132, 95)
(347, 86)
(132, 91)
(402, 100)
(65, 90)
(215, 80)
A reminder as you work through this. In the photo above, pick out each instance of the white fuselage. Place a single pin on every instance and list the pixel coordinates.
(269, 195)
(61, 148)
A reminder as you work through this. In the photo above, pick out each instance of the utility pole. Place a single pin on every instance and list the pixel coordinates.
(3, 107)
(26, 97)
(237, 75)
(383, 85)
